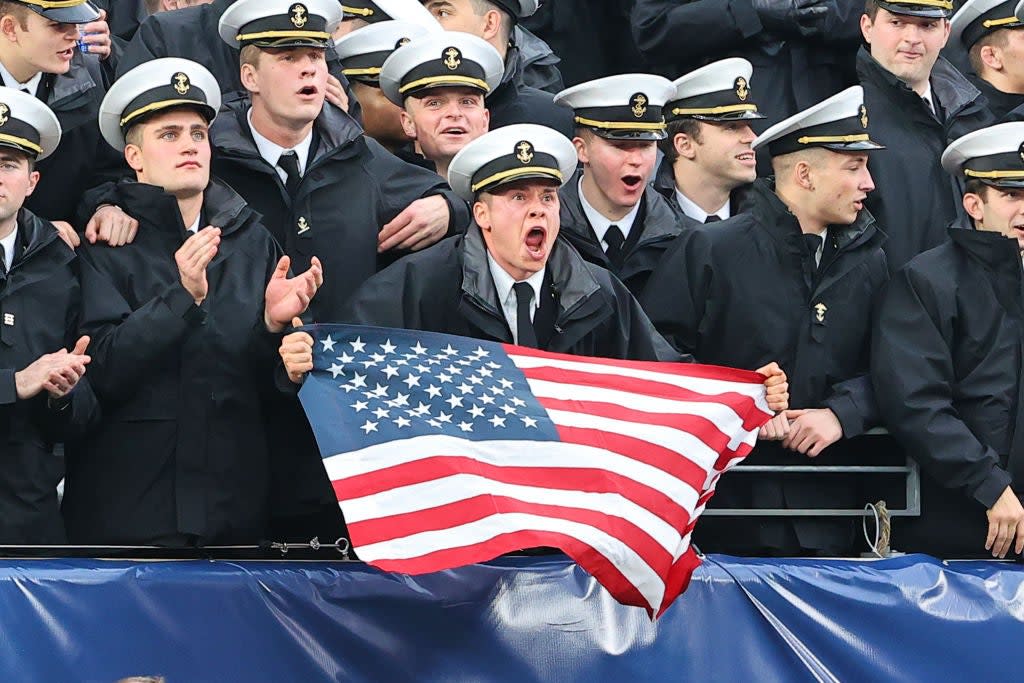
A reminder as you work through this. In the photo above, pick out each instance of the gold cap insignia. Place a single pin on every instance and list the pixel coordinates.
(863, 113)
(1020, 150)
(742, 88)
(402, 41)
(452, 58)
(298, 14)
(524, 151)
(181, 83)
(302, 225)
(5, 113)
(638, 104)
(819, 311)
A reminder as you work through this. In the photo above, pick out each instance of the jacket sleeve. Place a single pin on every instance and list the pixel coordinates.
(673, 31)
(676, 293)
(853, 400)
(126, 343)
(643, 341)
(401, 183)
(144, 46)
(913, 375)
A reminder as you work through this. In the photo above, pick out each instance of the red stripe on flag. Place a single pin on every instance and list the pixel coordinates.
(474, 509)
(744, 406)
(590, 560)
(589, 480)
(679, 577)
(704, 429)
(671, 462)
(701, 371)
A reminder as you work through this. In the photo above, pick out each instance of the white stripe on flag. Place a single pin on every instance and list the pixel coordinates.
(723, 416)
(673, 439)
(701, 385)
(506, 453)
(631, 565)
(457, 487)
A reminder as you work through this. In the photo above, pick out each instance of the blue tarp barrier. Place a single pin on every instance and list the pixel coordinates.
(516, 619)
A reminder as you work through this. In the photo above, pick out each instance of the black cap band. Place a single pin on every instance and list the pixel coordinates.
(178, 93)
(844, 135)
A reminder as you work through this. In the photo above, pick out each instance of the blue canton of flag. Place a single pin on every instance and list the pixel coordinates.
(398, 384)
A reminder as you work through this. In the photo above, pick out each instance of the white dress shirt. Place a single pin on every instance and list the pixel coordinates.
(823, 235)
(507, 297)
(698, 214)
(600, 224)
(31, 85)
(194, 228)
(8, 245)
(271, 151)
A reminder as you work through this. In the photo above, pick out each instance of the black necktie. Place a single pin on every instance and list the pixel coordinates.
(614, 239)
(812, 242)
(289, 161)
(712, 217)
(3, 263)
(525, 334)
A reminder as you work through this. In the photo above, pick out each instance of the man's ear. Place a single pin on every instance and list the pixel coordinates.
(408, 125)
(482, 215)
(974, 205)
(133, 155)
(684, 146)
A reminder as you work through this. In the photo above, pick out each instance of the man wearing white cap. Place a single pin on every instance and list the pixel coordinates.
(43, 399)
(39, 55)
(946, 360)
(609, 211)
(791, 279)
(919, 102)
(708, 152)
(509, 278)
(987, 31)
(362, 54)
(184, 321)
(513, 101)
(358, 14)
(192, 33)
(440, 80)
(322, 188)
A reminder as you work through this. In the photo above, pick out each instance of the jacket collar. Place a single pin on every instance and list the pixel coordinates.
(989, 248)
(222, 206)
(34, 233)
(952, 89)
(569, 275)
(230, 132)
(656, 219)
(773, 213)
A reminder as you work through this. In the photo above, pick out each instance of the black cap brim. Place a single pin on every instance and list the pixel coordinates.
(79, 14)
(860, 146)
(638, 135)
(914, 10)
(1004, 183)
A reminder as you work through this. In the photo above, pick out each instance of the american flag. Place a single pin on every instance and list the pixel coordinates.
(445, 451)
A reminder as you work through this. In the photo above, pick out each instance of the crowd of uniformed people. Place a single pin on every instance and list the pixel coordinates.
(829, 192)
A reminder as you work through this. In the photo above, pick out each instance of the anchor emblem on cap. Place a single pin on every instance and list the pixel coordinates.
(181, 83)
(524, 151)
(402, 41)
(1020, 151)
(452, 58)
(819, 311)
(299, 15)
(639, 102)
(302, 225)
(5, 113)
(742, 89)
(863, 113)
